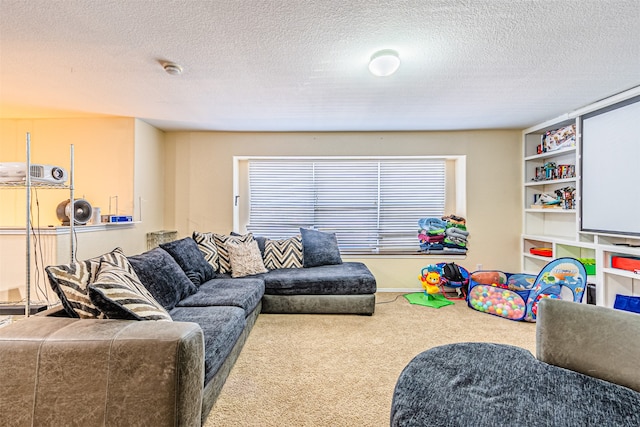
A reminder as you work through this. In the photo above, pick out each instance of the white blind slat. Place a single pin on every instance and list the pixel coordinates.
(370, 204)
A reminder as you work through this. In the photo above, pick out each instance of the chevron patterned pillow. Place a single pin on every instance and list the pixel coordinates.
(119, 293)
(207, 246)
(286, 253)
(71, 281)
(224, 264)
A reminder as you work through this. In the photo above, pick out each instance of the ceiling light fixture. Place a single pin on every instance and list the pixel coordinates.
(172, 68)
(384, 63)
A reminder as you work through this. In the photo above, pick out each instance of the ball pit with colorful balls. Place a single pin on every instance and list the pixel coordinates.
(498, 301)
(534, 306)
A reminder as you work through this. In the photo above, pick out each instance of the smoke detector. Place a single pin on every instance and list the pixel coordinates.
(172, 68)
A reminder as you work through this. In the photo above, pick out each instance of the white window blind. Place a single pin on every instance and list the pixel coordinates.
(372, 204)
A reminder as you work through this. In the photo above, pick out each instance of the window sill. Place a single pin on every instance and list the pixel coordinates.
(401, 254)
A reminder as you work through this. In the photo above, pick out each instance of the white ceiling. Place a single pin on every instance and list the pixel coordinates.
(301, 65)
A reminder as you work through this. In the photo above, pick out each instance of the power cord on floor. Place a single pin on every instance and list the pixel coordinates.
(387, 302)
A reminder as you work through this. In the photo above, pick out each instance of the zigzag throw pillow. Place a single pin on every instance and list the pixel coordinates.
(224, 264)
(208, 247)
(286, 253)
(71, 281)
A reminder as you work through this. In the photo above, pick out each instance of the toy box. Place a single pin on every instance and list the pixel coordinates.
(541, 251)
(516, 296)
(559, 138)
(627, 303)
(626, 263)
(589, 265)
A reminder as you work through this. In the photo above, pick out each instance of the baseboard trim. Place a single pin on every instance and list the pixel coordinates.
(387, 290)
(17, 309)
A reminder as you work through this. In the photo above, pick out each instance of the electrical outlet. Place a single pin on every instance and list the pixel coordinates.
(478, 267)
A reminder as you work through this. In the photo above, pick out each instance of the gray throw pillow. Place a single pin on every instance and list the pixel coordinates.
(190, 259)
(162, 276)
(319, 248)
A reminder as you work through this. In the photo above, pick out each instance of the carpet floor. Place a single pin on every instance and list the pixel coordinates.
(340, 370)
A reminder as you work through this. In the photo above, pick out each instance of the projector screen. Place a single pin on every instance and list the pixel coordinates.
(610, 156)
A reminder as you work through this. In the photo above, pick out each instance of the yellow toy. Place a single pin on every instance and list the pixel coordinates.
(431, 281)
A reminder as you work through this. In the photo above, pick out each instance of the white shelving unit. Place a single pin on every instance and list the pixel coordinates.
(28, 185)
(556, 227)
(559, 229)
(614, 280)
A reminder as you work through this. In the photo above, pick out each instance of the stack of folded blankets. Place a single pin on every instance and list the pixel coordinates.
(446, 235)
(431, 234)
(456, 234)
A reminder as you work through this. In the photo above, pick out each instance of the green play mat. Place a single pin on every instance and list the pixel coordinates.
(435, 301)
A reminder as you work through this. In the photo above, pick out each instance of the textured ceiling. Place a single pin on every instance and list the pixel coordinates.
(299, 65)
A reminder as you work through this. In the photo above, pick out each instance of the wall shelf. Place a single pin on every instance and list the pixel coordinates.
(559, 229)
(27, 185)
(551, 211)
(551, 154)
(550, 182)
(621, 273)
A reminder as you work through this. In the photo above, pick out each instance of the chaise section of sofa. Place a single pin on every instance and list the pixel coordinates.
(348, 287)
(64, 371)
(301, 274)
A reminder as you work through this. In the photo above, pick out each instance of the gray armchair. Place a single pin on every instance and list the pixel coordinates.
(596, 341)
(587, 372)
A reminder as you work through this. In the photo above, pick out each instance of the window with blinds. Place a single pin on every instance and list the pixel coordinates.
(373, 205)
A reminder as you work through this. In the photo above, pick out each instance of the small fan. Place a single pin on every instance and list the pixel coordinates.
(82, 212)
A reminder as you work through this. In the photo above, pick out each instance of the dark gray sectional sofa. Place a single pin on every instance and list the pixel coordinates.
(204, 319)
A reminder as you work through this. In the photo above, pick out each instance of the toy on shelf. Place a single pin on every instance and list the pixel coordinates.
(431, 280)
(546, 252)
(550, 171)
(557, 139)
(563, 198)
(516, 296)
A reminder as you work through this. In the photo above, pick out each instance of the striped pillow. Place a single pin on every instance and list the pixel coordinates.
(208, 247)
(70, 282)
(223, 253)
(286, 253)
(119, 294)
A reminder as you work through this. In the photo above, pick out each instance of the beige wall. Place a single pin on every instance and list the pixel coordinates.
(200, 178)
(112, 156)
(147, 175)
(183, 181)
(104, 153)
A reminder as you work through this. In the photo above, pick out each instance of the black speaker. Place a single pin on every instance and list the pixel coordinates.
(82, 212)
